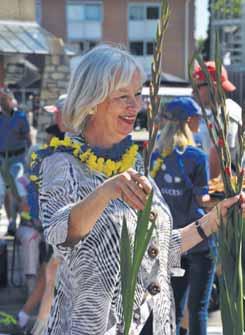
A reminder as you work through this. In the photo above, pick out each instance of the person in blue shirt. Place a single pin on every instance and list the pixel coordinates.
(14, 140)
(181, 172)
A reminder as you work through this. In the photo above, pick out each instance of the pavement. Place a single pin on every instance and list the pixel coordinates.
(14, 295)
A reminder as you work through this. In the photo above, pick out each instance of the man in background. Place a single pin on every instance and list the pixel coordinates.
(233, 109)
(14, 141)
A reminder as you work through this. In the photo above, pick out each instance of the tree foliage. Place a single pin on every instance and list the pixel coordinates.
(231, 8)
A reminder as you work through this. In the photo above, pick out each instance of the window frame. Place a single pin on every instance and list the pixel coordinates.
(84, 4)
(145, 54)
(145, 5)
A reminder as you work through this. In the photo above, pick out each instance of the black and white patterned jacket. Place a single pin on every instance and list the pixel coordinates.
(87, 296)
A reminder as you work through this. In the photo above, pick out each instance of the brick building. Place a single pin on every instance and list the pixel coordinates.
(84, 23)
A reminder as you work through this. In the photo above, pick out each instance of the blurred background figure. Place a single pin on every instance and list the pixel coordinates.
(44, 275)
(14, 141)
(181, 172)
(141, 120)
(233, 109)
(57, 129)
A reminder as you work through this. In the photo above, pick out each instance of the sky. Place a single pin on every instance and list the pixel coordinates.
(201, 18)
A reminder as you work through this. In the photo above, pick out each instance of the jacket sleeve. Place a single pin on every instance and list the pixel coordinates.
(58, 194)
(175, 253)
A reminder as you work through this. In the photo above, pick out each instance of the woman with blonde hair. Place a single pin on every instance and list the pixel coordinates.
(181, 173)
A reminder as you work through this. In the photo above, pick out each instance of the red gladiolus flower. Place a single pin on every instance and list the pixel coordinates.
(228, 171)
(221, 142)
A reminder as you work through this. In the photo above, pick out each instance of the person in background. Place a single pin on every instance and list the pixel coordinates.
(57, 129)
(14, 141)
(233, 109)
(181, 173)
(44, 288)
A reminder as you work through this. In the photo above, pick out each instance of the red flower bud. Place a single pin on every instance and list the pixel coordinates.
(221, 142)
(228, 171)
(145, 144)
(210, 126)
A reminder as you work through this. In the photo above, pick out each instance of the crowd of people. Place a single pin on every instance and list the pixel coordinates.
(73, 195)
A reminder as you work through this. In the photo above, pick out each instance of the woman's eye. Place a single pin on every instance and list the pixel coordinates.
(123, 97)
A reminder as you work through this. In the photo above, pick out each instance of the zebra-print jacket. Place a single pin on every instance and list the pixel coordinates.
(87, 296)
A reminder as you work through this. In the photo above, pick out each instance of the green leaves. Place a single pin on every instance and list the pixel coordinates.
(156, 68)
(7, 319)
(231, 236)
(130, 263)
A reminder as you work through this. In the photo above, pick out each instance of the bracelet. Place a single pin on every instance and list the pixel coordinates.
(200, 230)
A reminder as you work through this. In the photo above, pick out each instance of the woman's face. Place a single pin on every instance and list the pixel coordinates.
(116, 115)
(6, 104)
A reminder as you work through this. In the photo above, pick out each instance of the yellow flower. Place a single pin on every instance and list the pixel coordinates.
(55, 142)
(33, 178)
(83, 157)
(100, 164)
(67, 142)
(76, 146)
(25, 215)
(76, 152)
(156, 167)
(33, 156)
(92, 158)
(44, 146)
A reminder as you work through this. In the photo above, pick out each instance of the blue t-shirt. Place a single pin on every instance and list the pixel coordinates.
(183, 176)
(14, 130)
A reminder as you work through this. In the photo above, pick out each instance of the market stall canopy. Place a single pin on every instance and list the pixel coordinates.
(25, 38)
(169, 79)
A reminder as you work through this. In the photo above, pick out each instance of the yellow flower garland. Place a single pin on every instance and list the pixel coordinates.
(105, 166)
(159, 161)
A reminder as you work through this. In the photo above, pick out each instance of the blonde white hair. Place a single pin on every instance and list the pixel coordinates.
(175, 134)
(101, 71)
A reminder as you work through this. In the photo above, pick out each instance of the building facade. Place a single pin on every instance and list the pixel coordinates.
(229, 23)
(84, 23)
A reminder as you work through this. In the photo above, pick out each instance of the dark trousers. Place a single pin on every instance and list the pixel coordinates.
(196, 286)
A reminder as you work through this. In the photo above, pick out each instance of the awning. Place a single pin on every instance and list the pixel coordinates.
(169, 79)
(169, 91)
(25, 38)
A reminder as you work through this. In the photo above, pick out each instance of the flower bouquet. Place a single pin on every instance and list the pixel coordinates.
(130, 263)
(231, 235)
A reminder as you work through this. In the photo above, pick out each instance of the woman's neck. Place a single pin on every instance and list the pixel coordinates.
(98, 137)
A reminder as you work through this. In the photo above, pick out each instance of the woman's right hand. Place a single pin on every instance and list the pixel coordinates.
(129, 186)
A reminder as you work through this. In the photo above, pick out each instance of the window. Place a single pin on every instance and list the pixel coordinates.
(140, 48)
(136, 13)
(150, 48)
(137, 48)
(75, 13)
(152, 13)
(144, 11)
(38, 11)
(92, 44)
(87, 45)
(83, 12)
(93, 12)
